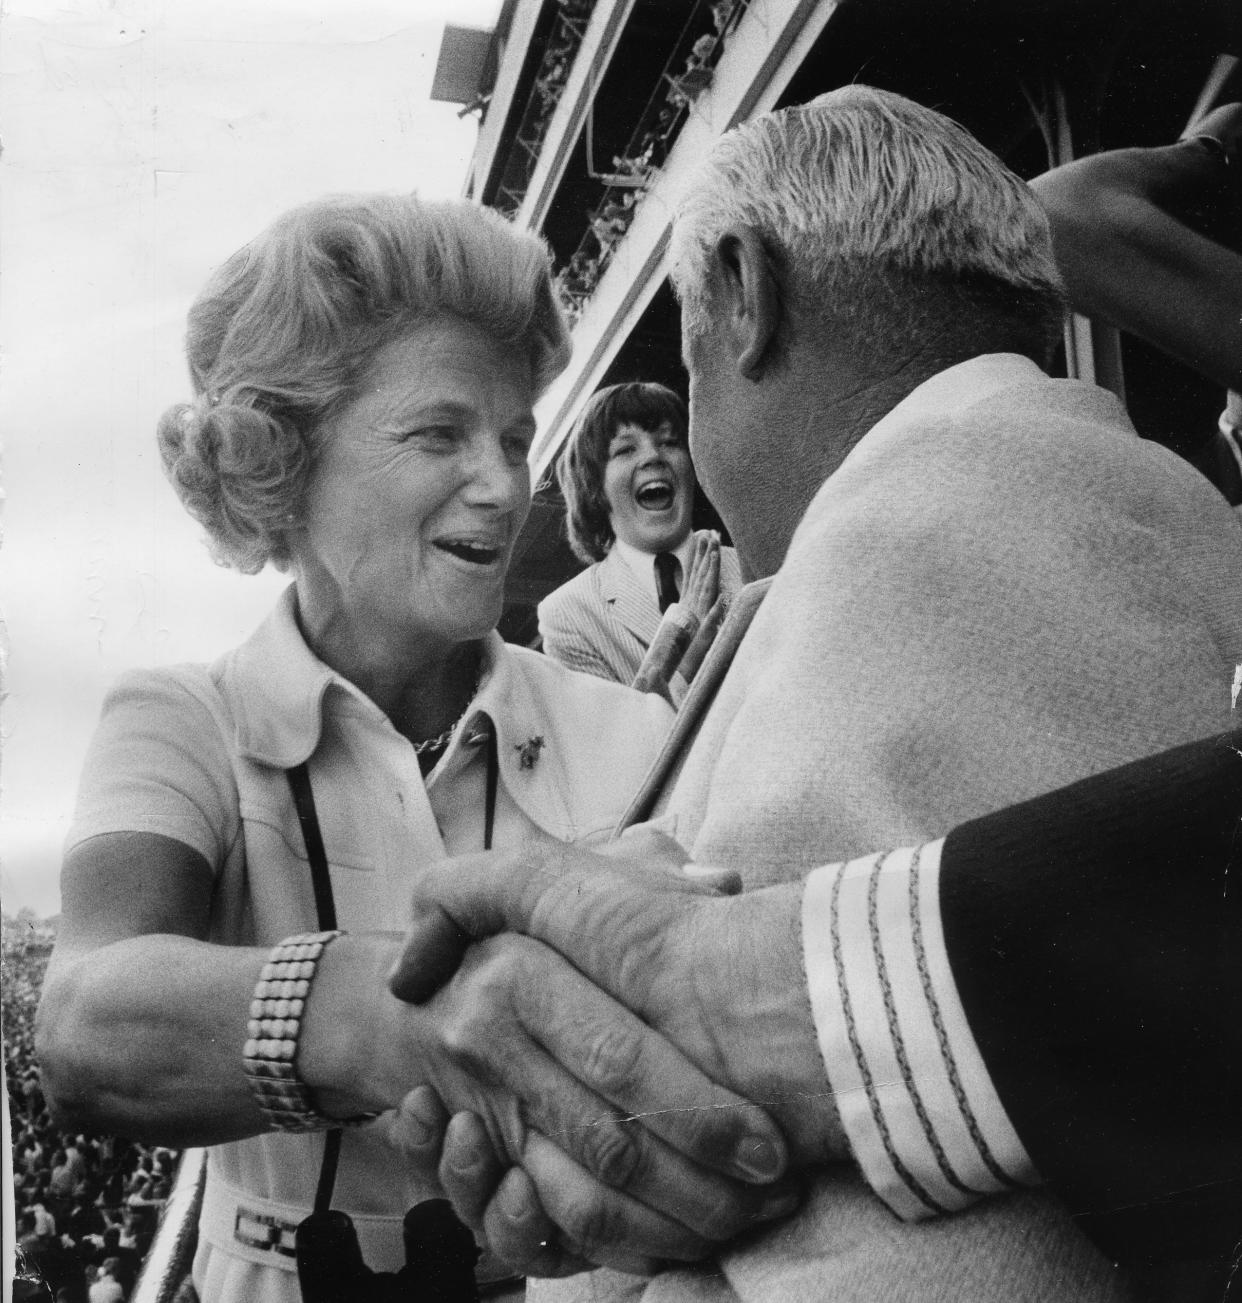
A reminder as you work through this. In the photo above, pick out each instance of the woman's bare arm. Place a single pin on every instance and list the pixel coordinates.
(142, 1023)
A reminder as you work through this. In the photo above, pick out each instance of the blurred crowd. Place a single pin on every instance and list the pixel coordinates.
(85, 1206)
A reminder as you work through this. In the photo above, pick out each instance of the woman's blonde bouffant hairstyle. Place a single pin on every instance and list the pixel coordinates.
(283, 332)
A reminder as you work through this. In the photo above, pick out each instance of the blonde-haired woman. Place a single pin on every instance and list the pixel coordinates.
(247, 831)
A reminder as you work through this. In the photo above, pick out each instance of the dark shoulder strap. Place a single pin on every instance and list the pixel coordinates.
(325, 909)
(304, 803)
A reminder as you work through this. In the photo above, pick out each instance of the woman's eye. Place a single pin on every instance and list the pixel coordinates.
(620, 450)
(434, 434)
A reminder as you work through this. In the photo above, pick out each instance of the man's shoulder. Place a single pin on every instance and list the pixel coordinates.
(1013, 453)
(1041, 493)
(1041, 419)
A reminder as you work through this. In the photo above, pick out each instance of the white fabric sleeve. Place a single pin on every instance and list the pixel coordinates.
(922, 1117)
(158, 764)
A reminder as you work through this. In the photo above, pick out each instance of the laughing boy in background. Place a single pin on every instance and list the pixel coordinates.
(629, 493)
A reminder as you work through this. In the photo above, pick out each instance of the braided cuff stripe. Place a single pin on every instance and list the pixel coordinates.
(918, 1107)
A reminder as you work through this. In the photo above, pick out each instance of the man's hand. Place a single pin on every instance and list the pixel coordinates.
(1148, 239)
(635, 1153)
(720, 978)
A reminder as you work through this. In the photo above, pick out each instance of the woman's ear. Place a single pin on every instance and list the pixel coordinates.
(747, 298)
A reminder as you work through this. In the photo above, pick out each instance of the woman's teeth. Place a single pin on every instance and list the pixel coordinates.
(473, 552)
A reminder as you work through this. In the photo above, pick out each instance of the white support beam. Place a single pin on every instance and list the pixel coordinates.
(516, 46)
(760, 58)
(607, 22)
(1092, 348)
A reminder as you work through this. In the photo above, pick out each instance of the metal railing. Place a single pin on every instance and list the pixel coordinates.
(171, 1254)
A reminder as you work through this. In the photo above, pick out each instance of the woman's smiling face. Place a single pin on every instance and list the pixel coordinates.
(649, 486)
(418, 493)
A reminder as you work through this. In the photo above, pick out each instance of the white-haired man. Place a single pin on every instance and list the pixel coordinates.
(980, 586)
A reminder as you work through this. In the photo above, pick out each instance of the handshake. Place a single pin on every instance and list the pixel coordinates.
(635, 1064)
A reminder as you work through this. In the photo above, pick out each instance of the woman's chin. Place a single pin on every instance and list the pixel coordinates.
(469, 625)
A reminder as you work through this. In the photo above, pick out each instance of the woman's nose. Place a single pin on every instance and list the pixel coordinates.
(495, 479)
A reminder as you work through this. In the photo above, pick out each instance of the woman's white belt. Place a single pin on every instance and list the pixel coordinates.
(262, 1230)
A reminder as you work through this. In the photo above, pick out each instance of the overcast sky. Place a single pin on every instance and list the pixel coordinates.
(144, 141)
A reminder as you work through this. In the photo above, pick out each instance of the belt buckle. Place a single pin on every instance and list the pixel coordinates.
(264, 1231)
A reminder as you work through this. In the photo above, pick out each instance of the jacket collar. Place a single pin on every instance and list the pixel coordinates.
(629, 600)
(276, 688)
(962, 385)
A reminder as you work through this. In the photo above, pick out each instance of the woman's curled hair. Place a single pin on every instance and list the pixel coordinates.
(286, 328)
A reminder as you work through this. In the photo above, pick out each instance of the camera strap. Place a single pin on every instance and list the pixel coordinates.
(325, 907)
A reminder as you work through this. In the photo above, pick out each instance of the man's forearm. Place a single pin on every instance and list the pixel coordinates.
(1058, 979)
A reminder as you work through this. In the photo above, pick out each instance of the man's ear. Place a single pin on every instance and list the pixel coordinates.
(747, 297)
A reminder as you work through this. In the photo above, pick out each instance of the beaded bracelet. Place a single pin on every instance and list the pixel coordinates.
(270, 1054)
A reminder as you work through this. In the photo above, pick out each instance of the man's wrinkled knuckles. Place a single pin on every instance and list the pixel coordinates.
(613, 1059)
(612, 1151)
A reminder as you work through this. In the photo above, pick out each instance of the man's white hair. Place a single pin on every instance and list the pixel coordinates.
(862, 189)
